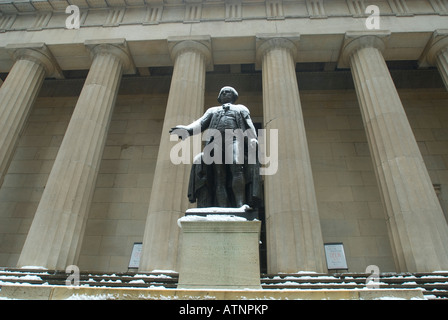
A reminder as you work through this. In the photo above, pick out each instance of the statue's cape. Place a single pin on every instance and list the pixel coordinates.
(201, 176)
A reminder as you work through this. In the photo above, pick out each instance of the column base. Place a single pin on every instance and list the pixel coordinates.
(219, 252)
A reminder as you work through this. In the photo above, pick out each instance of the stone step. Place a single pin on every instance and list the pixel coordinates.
(434, 285)
(52, 277)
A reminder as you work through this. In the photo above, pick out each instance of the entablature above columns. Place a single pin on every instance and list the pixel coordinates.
(273, 9)
(70, 52)
(148, 45)
(232, 26)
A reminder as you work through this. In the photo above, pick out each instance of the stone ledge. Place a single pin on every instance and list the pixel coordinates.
(45, 292)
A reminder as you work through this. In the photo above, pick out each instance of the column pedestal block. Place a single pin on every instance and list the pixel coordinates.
(219, 253)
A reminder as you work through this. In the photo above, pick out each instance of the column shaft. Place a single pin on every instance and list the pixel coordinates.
(294, 237)
(168, 201)
(55, 236)
(418, 230)
(442, 65)
(17, 95)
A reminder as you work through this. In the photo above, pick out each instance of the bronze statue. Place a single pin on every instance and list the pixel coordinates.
(230, 135)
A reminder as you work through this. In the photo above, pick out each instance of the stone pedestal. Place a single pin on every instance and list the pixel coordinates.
(219, 252)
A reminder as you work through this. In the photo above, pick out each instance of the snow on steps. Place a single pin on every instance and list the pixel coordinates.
(434, 285)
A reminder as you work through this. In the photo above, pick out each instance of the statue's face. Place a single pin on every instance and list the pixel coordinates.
(227, 96)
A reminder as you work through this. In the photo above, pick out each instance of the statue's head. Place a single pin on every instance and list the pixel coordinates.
(226, 90)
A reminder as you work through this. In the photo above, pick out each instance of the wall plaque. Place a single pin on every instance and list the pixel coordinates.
(334, 252)
(135, 256)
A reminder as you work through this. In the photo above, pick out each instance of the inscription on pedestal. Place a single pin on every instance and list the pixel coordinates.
(220, 254)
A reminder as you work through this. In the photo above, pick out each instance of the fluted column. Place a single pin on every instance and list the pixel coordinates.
(33, 62)
(418, 229)
(168, 200)
(294, 237)
(56, 233)
(437, 53)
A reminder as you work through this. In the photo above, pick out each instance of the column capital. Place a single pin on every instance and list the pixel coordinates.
(39, 53)
(356, 40)
(264, 42)
(117, 47)
(201, 44)
(437, 44)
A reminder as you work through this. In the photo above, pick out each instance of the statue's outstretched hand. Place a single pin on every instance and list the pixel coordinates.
(172, 129)
(179, 130)
(253, 142)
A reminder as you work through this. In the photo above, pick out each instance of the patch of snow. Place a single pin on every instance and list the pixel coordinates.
(241, 209)
(137, 281)
(34, 267)
(16, 284)
(300, 272)
(26, 277)
(389, 298)
(310, 277)
(92, 297)
(111, 281)
(156, 287)
(401, 277)
(159, 276)
(24, 272)
(163, 271)
(210, 217)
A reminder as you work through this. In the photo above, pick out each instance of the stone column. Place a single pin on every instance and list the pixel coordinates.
(418, 229)
(33, 62)
(437, 53)
(56, 233)
(168, 201)
(294, 237)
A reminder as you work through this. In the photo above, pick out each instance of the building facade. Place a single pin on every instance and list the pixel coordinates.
(355, 89)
